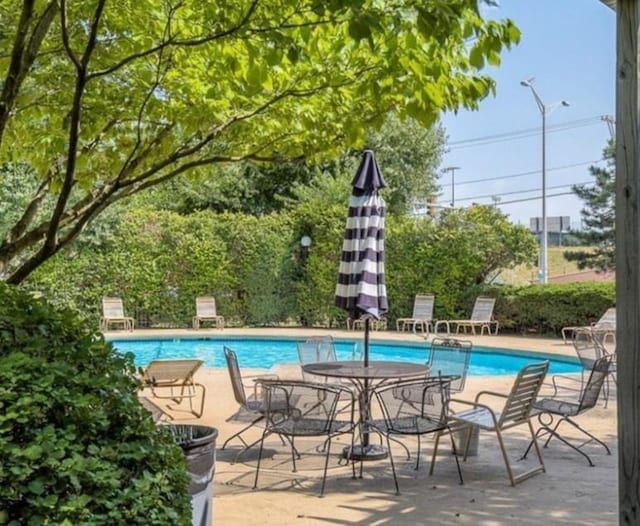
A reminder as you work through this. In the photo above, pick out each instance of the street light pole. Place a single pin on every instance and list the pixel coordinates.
(452, 169)
(543, 274)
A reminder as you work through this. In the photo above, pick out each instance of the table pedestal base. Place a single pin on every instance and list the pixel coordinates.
(370, 452)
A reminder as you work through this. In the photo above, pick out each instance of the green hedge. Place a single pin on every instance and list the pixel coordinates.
(76, 446)
(158, 262)
(546, 309)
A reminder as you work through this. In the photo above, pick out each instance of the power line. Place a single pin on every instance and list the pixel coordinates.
(521, 134)
(532, 172)
(515, 192)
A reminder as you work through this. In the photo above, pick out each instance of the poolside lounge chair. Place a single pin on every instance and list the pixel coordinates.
(113, 312)
(173, 379)
(558, 405)
(206, 311)
(516, 411)
(359, 323)
(422, 317)
(481, 317)
(606, 323)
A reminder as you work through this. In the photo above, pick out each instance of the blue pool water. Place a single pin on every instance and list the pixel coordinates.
(264, 353)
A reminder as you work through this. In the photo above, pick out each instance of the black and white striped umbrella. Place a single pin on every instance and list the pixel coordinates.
(361, 288)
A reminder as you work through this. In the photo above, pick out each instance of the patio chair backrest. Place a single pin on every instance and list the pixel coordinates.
(450, 357)
(302, 408)
(112, 308)
(587, 347)
(483, 309)
(235, 376)
(523, 393)
(406, 402)
(206, 307)
(598, 375)
(171, 370)
(607, 320)
(314, 350)
(423, 307)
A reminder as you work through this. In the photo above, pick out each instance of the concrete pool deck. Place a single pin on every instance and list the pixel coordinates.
(569, 493)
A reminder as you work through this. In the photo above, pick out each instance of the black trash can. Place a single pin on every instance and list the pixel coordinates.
(199, 446)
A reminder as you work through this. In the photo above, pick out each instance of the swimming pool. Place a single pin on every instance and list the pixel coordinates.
(266, 352)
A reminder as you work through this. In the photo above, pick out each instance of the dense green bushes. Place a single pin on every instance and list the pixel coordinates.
(158, 262)
(545, 309)
(76, 447)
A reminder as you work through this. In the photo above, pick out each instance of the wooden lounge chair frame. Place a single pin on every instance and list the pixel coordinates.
(206, 311)
(113, 312)
(174, 379)
(422, 317)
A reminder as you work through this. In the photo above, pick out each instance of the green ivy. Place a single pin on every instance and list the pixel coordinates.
(76, 447)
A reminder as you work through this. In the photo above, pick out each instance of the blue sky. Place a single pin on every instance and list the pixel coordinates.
(569, 47)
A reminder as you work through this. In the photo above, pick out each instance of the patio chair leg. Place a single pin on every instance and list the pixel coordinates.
(455, 454)
(237, 435)
(506, 458)
(435, 452)
(255, 482)
(393, 466)
(326, 465)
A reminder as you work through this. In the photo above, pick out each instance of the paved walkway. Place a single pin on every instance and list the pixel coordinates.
(569, 493)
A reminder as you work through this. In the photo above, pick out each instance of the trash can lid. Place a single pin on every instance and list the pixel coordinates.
(188, 436)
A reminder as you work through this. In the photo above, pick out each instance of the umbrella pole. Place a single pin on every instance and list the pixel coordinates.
(365, 435)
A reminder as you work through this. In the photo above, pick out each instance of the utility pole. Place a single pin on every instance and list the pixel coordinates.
(452, 169)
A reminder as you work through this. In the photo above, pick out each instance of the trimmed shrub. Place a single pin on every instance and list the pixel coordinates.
(545, 309)
(76, 446)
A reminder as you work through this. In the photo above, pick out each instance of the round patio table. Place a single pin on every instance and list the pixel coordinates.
(365, 378)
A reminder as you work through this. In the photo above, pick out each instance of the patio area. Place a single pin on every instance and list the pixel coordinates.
(570, 492)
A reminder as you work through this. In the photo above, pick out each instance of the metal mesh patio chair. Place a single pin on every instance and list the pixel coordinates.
(254, 407)
(450, 357)
(413, 408)
(314, 350)
(566, 410)
(516, 411)
(296, 409)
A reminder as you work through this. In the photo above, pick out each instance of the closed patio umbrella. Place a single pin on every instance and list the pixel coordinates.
(361, 288)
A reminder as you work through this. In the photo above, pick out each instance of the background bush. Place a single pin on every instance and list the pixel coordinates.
(76, 447)
(158, 262)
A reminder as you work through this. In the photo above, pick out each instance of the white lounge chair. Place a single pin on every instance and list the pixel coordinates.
(481, 317)
(113, 312)
(606, 323)
(206, 311)
(422, 317)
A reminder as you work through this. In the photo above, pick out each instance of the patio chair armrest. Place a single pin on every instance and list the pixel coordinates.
(491, 393)
(475, 405)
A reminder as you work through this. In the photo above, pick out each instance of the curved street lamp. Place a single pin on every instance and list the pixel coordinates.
(545, 109)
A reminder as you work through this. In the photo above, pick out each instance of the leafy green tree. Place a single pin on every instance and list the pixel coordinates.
(598, 217)
(105, 99)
